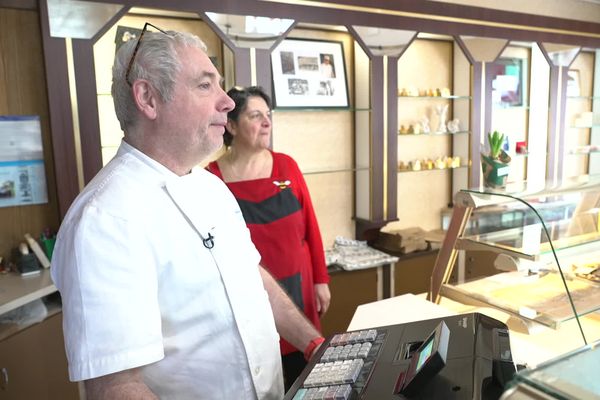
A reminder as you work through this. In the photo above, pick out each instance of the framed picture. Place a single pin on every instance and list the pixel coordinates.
(125, 34)
(573, 83)
(309, 73)
(507, 82)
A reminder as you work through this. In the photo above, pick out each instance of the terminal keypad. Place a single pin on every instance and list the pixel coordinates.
(344, 362)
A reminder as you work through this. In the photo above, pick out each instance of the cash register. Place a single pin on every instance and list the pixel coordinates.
(464, 356)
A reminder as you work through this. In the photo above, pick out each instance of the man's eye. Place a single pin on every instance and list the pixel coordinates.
(205, 85)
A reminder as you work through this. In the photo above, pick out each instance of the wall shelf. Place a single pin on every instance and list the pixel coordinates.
(585, 127)
(451, 97)
(334, 170)
(435, 133)
(320, 109)
(497, 106)
(433, 169)
(583, 97)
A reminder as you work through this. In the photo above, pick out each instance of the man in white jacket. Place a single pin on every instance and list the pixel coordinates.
(163, 295)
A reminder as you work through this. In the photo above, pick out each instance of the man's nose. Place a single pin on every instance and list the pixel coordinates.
(228, 103)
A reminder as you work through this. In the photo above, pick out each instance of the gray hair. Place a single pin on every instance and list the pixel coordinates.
(156, 61)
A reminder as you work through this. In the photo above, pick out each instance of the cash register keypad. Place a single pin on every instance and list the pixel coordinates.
(344, 360)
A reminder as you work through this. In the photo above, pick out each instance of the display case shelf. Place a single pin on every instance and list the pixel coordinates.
(530, 242)
(319, 109)
(584, 127)
(434, 133)
(547, 256)
(497, 106)
(583, 97)
(451, 97)
(334, 170)
(432, 169)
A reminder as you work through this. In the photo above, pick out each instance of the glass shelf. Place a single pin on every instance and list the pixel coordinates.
(582, 152)
(530, 241)
(299, 109)
(479, 197)
(433, 169)
(434, 133)
(539, 297)
(451, 97)
(497, 106)
(334, 170)
(318, 109)
(583, 97)
(584, 127)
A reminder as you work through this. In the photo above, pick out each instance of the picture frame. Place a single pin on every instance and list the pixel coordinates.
(309, 74)
(573, 88)
(507, 82)
(125, 34)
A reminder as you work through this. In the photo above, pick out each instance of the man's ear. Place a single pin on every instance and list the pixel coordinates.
(145, 98)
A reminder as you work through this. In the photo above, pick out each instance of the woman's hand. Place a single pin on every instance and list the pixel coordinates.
(323, 297)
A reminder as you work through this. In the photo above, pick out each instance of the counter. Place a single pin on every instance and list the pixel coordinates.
(16, 290)
(530, 344)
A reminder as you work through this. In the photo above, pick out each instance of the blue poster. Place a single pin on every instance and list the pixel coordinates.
(22, 175)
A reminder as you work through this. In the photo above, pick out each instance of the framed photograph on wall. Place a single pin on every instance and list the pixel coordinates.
(125, 34)
(309, 74)
(573, 83)
(507, 82)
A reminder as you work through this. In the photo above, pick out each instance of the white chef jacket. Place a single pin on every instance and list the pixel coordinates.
(139, 288)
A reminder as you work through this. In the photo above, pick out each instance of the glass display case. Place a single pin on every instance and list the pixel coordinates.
(546, 264)
(570, 376)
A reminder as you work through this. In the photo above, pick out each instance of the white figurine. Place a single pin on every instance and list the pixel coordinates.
(453, 126)
(425, 125)
(442, 112)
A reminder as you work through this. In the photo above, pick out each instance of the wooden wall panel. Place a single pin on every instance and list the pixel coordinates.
(23, 92)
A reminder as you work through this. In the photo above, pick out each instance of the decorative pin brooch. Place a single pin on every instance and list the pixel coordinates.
(282, 184)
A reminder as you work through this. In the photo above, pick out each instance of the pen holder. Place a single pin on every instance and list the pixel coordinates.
(48, 245)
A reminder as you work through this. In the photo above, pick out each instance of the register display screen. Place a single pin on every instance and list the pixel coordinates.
(427, 361)
(425, 353)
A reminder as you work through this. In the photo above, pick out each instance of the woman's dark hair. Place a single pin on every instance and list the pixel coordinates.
(240, 96)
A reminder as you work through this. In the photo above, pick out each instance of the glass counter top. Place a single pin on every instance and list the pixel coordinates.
(527, 191)
(531, 241)
(570, 376)
(570, 212)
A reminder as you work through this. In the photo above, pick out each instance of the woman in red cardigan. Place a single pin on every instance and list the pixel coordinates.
(277, 208)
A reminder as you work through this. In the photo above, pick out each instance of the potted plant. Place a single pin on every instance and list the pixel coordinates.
(495, 165)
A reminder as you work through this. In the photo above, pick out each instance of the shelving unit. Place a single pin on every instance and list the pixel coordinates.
(582, 116)
(435, 133)
(417, 109)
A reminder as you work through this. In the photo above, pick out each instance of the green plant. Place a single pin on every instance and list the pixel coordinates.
(495, 139)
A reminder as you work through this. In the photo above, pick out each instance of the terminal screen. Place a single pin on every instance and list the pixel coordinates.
(424, 354)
